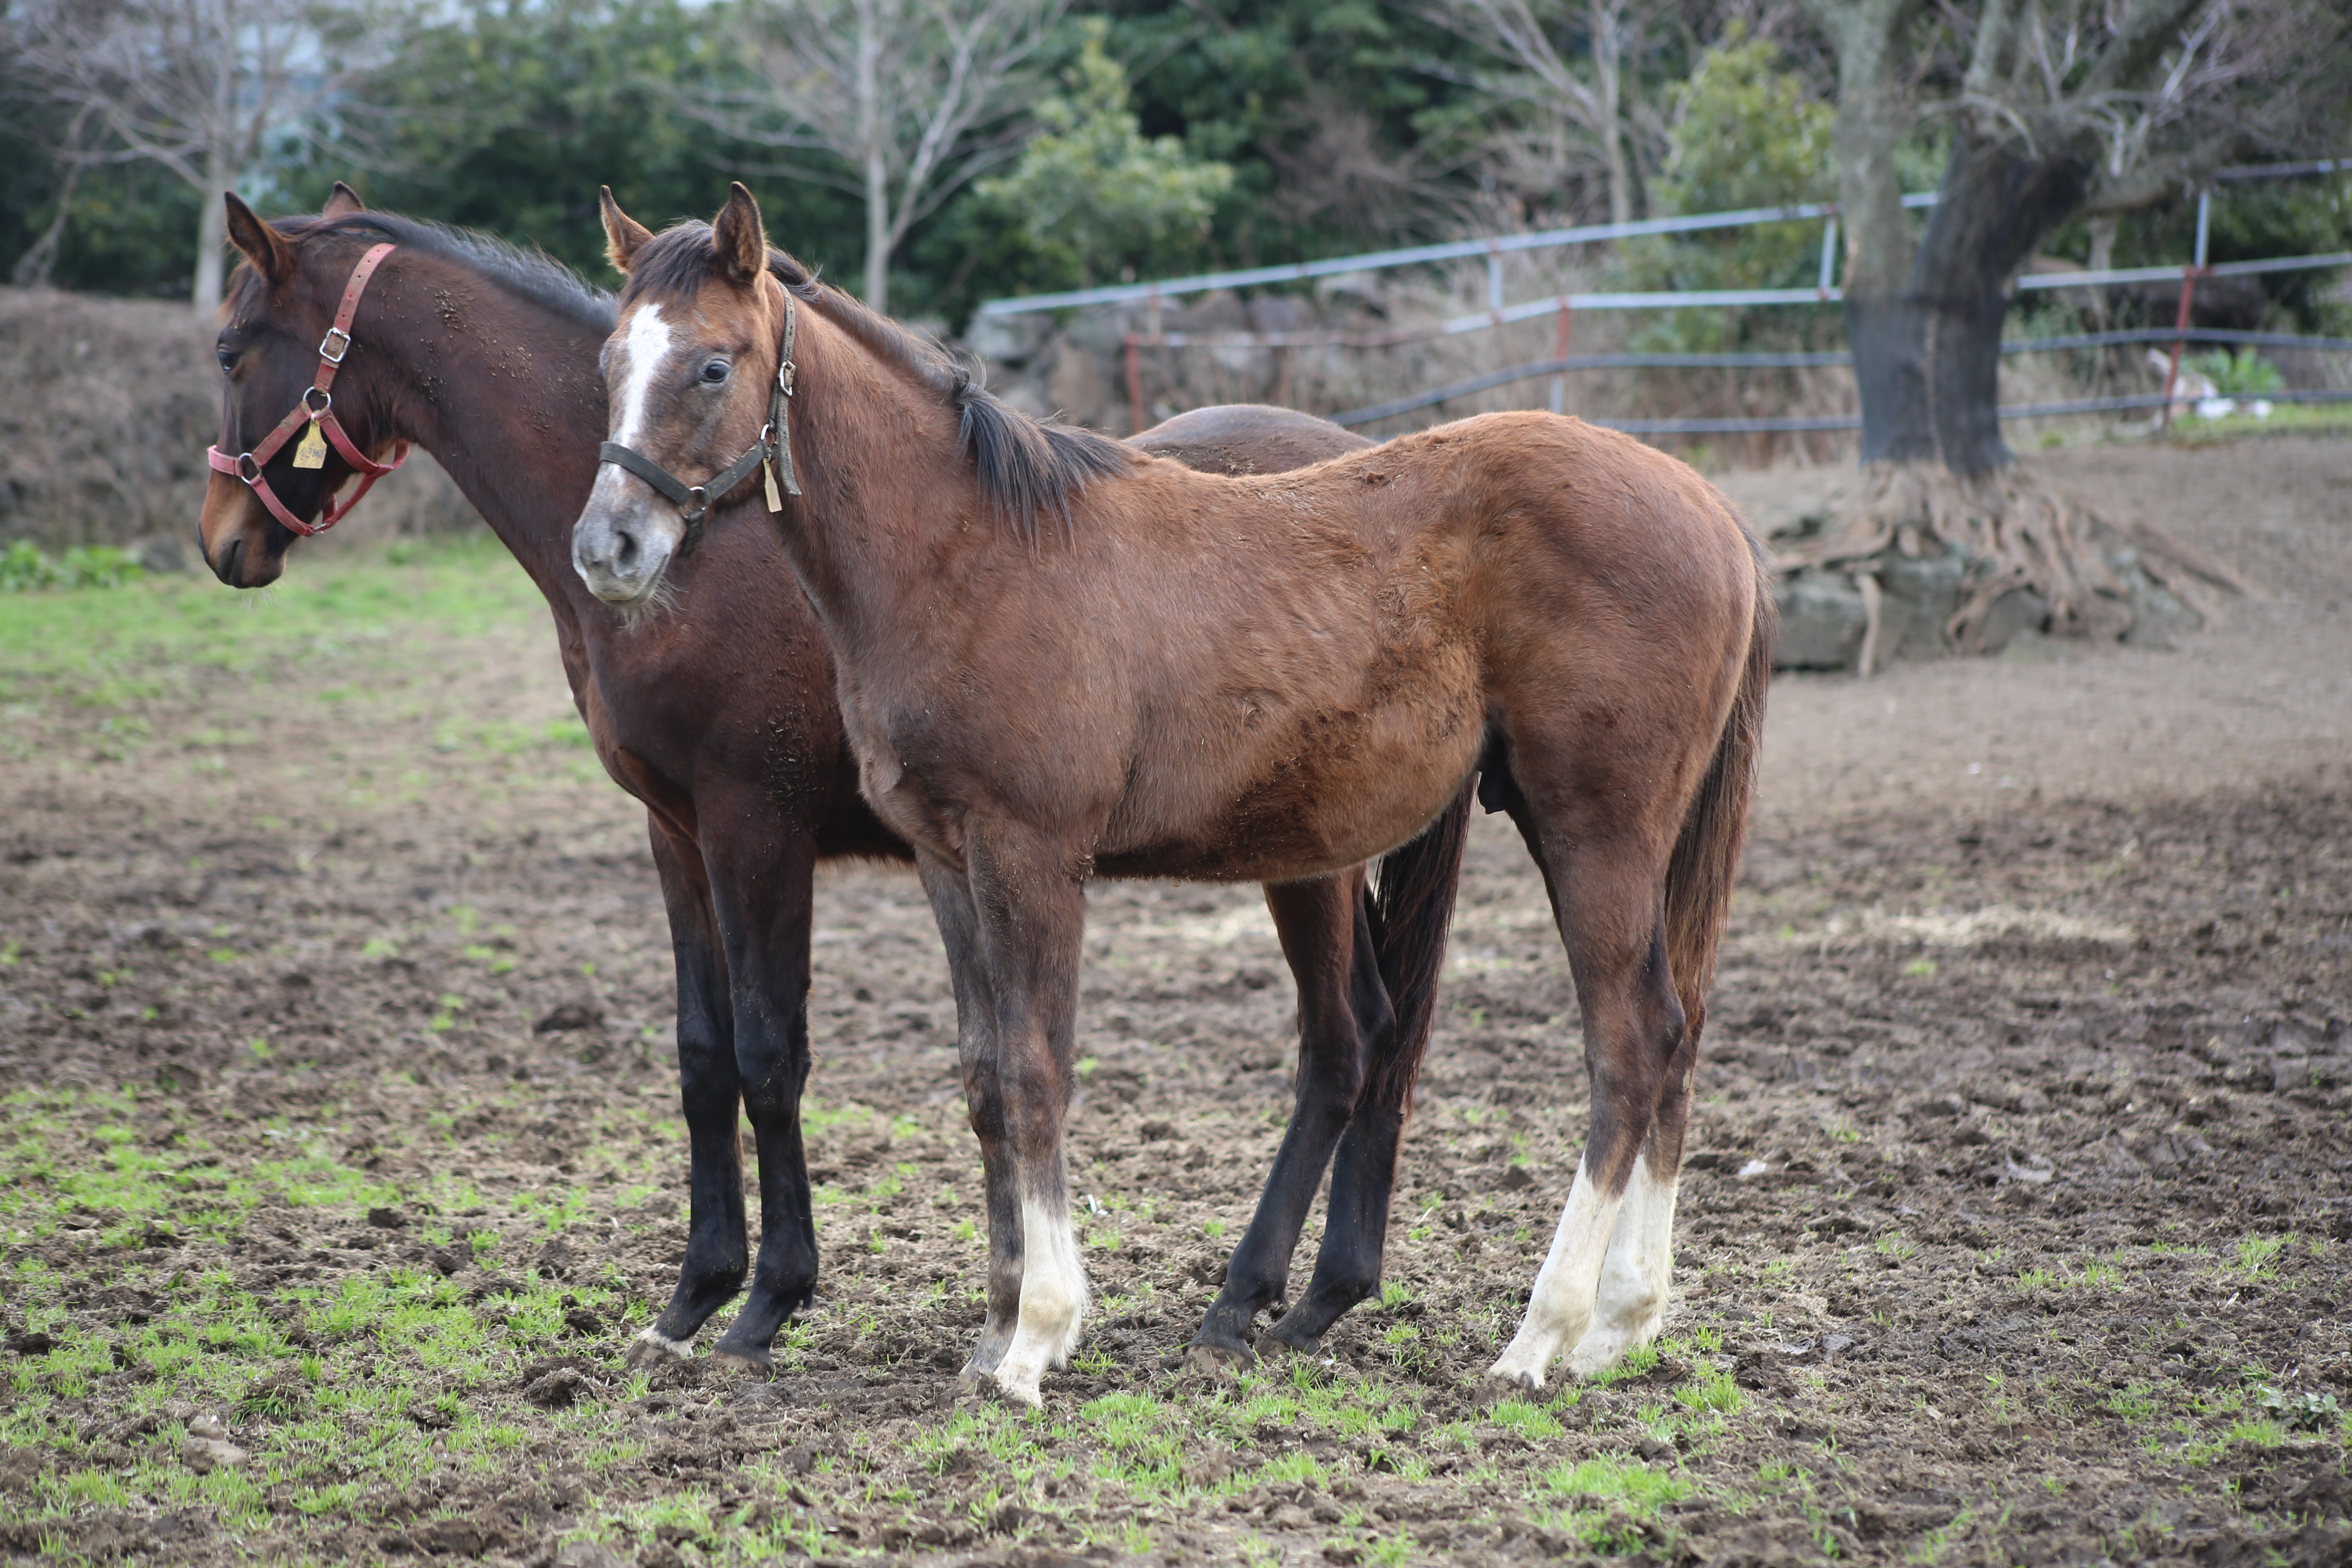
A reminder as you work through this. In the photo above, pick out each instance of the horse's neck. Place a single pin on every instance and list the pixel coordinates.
(523, 451)
(865, 548)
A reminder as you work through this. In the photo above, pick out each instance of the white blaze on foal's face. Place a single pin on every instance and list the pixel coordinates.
(643, 351)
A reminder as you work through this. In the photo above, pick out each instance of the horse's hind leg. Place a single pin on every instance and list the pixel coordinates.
(1605, 871)
(764, 914)
(708, 1089)
(983, 1097)
(1343, 1017)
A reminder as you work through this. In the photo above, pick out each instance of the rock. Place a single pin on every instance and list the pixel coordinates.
(569, 1015)
(1919, 596)
(1822, 621)
(386, 1219)
(203, 1455)
(557, 1390)
(2019, 611)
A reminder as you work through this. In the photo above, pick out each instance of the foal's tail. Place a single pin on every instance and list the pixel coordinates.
(1413, 906)
(1707, 856)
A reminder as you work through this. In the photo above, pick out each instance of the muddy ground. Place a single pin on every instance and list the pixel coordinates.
(341, 1158)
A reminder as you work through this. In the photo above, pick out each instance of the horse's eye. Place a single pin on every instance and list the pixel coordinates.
(714, 372)
(227, 359)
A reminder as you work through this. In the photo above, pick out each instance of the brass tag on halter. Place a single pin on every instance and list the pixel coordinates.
(311, 451)
(775, 497)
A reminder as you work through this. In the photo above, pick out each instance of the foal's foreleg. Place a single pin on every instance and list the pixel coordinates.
(1634, 1032)
(1032, 917)
(984, 1097)
(708, 1087)
(1343, 1017)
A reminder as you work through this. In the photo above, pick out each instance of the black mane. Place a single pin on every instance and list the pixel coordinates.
(533, 274)
(1026, 467)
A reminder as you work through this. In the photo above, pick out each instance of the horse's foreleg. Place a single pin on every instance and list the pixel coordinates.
(763, 915)
(1343, 1018)
(1610, 921)
(715, 1259)
(983, 1097)
(1032, 917)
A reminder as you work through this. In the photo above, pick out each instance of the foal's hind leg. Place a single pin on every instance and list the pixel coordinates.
(1343, 1017)
(1606, 877)
(709, 1088)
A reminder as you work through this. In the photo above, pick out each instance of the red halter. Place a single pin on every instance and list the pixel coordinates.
(316, 407)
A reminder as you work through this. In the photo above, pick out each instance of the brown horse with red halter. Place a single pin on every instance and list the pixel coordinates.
(1061, 659)
(721, 719)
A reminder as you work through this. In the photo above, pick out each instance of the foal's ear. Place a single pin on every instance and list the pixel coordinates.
(263, 246)
(741, 239)
(343, 202)
(622, 233)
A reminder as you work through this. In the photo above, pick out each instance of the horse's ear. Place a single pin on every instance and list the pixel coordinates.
(741, 239)
(622, 233)
(343, 202)
(263, 246)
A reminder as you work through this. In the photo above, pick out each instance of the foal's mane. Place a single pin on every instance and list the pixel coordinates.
(530, 273)
(1024, 466)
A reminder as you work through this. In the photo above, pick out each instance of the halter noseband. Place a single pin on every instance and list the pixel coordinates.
(775, 440)
(316, 409)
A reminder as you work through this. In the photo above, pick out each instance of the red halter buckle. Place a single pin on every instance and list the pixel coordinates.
(317, 407)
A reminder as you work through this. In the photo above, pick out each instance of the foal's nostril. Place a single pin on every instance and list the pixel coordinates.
(232, 559)
(625, 554)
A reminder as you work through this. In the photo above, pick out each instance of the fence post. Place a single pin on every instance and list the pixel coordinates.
(1828, 255)
(1134, 385)
(2188, 290)
(1559, 352)
(1494, 282)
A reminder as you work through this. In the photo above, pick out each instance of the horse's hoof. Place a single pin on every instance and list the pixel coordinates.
(1514, 1382)
(653, 1348)
(1205, 1356)
(1272, 1344)
(1012, 1393)
(754, 1359)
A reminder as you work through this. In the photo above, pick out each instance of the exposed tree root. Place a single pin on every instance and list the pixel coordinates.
(2017, 531)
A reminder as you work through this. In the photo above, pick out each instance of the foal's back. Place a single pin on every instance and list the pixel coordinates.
(1302, 668)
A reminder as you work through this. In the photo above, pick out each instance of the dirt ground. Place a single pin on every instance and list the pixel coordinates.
(341, 1157)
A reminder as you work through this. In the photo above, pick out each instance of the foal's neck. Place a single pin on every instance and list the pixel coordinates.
(889, 502)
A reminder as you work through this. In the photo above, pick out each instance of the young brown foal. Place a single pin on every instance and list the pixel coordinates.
(1060, 660)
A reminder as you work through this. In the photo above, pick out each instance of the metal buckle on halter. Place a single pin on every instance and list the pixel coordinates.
(785, 378)
(242, 459)
(336, 358)
(322, 411)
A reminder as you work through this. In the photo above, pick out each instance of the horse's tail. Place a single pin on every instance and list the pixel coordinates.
(1706, 861)
(1412, 907)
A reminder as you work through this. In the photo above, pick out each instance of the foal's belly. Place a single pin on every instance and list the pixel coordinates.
(1337, 791)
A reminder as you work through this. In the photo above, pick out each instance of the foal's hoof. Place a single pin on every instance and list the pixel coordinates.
(653, 1348)
(991, 1386)
(1506, 1381)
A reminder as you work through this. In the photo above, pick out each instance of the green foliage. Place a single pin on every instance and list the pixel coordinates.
(2245, 373)
(1748, 132)
(24, 567)
(1092, 195)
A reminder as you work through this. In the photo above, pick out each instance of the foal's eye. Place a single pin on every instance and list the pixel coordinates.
(227, 359)
(714, 372)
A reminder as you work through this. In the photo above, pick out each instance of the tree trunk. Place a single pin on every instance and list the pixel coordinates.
(1609, 71)
(1928, 360)
(872, 131)
(211, 235)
